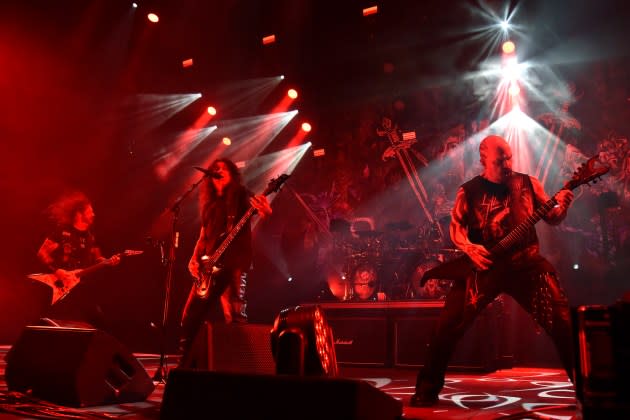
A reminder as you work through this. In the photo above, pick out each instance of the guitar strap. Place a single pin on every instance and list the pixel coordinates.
(521, 198)
(230, 222)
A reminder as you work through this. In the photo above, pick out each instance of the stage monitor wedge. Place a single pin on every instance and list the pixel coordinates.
(76, 367)
(196, 394)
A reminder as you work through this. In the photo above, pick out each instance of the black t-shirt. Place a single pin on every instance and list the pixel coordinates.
(75, 250)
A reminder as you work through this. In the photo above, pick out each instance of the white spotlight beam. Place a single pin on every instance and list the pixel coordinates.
(283, 161)
(246, 94)
(148, 111)
(169, 157)
(251, 135)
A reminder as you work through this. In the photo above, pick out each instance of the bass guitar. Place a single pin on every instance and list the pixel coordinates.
(209, 264)
(461, 267)
(61, 288)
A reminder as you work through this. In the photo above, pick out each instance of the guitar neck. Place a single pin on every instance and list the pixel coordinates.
(92, 268)
(230, 237)
(274, 185)
(520, 231)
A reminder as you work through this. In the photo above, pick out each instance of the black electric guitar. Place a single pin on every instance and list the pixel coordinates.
(209, 264)
(461, 267)
(61, 288)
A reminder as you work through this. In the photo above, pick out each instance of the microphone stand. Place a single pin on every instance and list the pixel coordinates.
(160, 373)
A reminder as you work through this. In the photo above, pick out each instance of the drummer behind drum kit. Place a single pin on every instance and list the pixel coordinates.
(372, 265)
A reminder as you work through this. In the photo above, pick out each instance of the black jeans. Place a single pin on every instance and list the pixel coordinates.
(535, 289)
(227, 293)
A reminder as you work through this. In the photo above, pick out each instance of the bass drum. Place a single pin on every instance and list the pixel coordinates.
(364, 279)
(338, 284)
(432, 289)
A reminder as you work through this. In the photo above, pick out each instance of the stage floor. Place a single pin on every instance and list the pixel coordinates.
(512, 393)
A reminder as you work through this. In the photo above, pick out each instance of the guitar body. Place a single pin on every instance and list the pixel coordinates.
(59, 288)
(457, 269)
(208, 271)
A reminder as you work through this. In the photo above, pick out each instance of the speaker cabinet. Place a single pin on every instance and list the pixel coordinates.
(397, 334)
(476, 351)
(232, 347)
(602, 366)
(360, 340)
(194, 394)
(76, 367)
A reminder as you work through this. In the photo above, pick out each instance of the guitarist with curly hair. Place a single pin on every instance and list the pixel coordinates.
(67, 251)
(487, 211)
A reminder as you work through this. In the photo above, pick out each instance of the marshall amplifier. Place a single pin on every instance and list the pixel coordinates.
(397, 333)
(364, 331)
(475, 351)
(360, 340)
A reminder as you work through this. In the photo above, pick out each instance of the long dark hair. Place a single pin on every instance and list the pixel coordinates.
(63, 210)
(208, 194)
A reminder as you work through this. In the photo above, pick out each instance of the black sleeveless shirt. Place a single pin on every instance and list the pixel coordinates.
(494, 210)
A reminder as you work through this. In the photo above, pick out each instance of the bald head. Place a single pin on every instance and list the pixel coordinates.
(493, 143)
(496, 157)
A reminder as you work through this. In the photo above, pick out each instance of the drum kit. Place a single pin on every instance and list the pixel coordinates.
(378, 265)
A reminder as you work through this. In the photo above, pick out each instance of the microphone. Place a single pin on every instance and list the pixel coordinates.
(209, 173)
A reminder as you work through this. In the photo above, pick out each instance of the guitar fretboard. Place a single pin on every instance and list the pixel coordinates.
(93, 268)
(519, 232)
(230, 237)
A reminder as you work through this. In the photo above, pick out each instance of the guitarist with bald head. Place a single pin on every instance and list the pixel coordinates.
(67, 251)
(492, 213)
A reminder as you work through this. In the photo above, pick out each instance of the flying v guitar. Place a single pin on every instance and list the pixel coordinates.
(461, 267)
(61, 288)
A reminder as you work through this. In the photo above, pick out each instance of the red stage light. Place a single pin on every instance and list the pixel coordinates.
(370, 10)
(153, 17)
(212, 110)
(292, 93)
(269, 39)
(306, 127)
(508, 47)
(187, 63)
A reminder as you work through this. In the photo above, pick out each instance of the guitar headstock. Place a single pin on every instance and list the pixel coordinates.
(275, 184)
(129, 252)
(588, 172)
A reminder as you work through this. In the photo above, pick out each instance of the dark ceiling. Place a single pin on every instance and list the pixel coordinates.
(326, 48)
